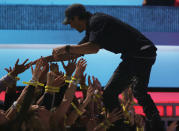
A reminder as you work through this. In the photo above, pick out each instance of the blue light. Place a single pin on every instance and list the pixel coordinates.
(164, 73)
(68, 2)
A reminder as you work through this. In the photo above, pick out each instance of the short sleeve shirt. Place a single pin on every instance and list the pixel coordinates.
(116, 36)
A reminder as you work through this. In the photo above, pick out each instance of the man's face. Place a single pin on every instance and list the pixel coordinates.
(77, 24)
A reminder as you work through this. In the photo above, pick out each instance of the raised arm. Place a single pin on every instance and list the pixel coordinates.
(74, 114)
(26, 95)
(10, 78)
(70, 92)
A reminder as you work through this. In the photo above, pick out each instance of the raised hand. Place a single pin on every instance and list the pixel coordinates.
(96, 85)
(92, 84)
(38, 71)
(90, 90)
(54, 68)
(83, 79)
(55, 80)
(13, 87)
(8, 70)
(80, 68)
(43, 77)
(70, 67)
(18, 68)
(115, 115)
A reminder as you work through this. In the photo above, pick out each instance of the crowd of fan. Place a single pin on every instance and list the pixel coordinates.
(48, 102)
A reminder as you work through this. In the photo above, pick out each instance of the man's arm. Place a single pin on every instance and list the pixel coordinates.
(60, 57)
(85, 48)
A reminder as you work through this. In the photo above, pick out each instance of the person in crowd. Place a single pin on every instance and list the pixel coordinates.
(11, 77)
(16, 114)
(8, 82)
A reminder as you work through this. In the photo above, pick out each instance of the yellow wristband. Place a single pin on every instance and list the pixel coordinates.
(103, 109)
(16, 78)
(83, 87)
(126, 122)
(103, 125)
(126, 114)
(123, 107)
(75, 80)
(52, 89)
(70, 79)
(139, 129)
(67, 77)
(67, 81)
(109, 123)
(77, 110)
(18, 107)
(36, 83)
(98, 96)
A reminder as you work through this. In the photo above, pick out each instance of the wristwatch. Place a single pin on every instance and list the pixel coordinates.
(67, 49)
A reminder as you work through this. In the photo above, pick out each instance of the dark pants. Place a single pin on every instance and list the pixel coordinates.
(120, 80)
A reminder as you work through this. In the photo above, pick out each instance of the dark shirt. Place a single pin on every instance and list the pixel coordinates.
(116, 36)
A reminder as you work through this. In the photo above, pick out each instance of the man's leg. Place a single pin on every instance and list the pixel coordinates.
(142, 71)
(117, 83)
